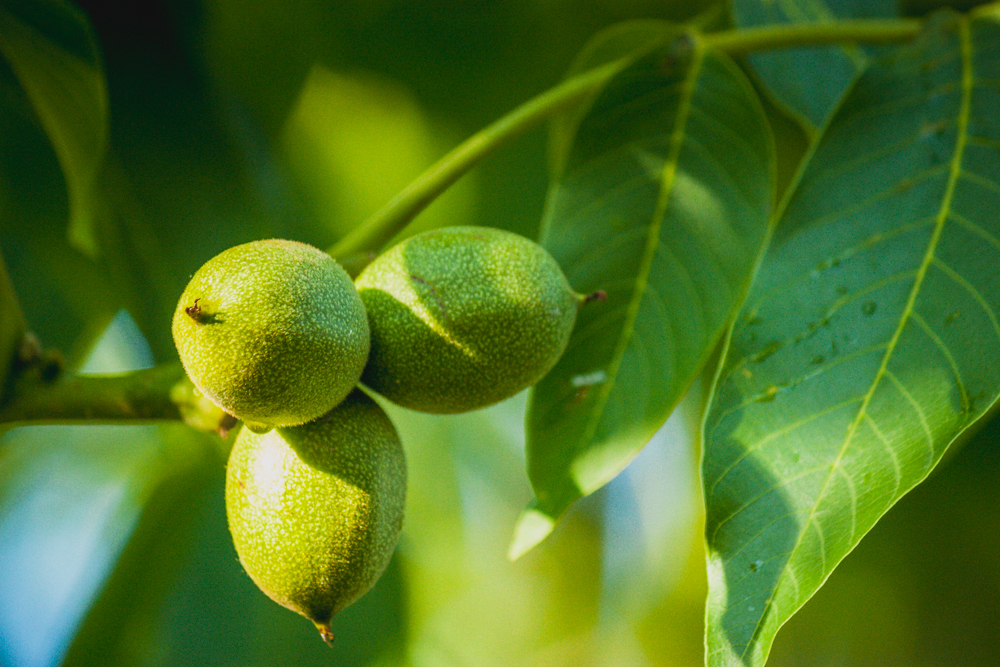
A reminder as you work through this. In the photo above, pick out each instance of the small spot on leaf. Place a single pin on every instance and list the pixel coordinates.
(767, 396)
(588, 379)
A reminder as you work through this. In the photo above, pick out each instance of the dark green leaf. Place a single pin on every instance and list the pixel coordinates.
(870, 338)
(60, 69)
(663, 205)
(633, 38)
(809, 82)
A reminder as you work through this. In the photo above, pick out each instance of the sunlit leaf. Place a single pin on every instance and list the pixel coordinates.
(809, 82)
(870, 338)
(61, 71)
(663, 205)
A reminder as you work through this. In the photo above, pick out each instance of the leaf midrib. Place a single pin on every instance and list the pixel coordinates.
(942, 216)
(652, 239)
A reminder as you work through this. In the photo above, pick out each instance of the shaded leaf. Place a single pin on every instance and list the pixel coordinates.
(61, 71)
(809, 82)
(632, 38)
(664, 205)
(869, 340)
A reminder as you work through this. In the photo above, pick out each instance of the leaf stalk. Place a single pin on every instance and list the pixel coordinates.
(771, 37)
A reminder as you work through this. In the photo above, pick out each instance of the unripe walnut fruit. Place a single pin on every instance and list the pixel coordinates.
(273, 332)
(463, 317)
(315, 510)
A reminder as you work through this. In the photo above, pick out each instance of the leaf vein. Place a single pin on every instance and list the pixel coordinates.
(984, 142)
(771, 489)
(841, 168)
(954, 170)
(921, 415)
(962, 391)
(653, 241)
(871, 242)
(821, 536)
(853, 494)
(777, 434)
(962, 221)
(979, 179)
(971, 289)
(987, 82)
(834, 308)
(898, 104)
(897, 469)
(887, 193)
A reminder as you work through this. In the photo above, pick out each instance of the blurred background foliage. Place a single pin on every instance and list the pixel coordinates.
(230, 121)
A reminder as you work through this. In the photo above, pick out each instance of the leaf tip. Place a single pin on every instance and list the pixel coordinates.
(533, 527)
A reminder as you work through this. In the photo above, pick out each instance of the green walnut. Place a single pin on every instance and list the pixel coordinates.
(463, 317)
(273, 332)
(315, 510)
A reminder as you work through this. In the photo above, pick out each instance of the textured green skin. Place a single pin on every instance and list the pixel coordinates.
(283, 335)
(463, 317)
(315, 510)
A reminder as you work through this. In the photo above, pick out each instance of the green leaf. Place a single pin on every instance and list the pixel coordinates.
(60, 69)
(869, 340)
(663, 205)
(809, 82)
(631, 38)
